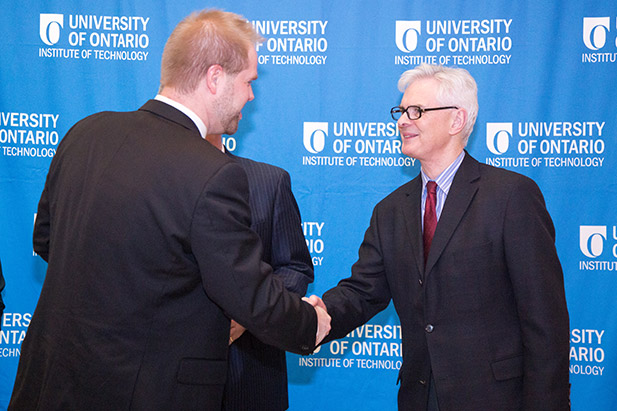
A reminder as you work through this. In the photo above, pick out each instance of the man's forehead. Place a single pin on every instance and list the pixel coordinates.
(249, 72)
(424, 84)
(252, 68)
(421, 89)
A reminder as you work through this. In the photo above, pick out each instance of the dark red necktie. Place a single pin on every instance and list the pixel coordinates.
(430, 217)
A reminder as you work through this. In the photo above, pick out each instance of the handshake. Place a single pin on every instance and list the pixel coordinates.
(323, 319)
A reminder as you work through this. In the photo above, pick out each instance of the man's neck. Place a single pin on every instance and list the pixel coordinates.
(188, 100)
(183, 103)
(435, 167)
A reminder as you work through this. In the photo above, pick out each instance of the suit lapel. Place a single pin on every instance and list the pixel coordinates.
(459, 198)
(412, 211)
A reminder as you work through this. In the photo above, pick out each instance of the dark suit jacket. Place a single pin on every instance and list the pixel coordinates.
(488, 315)
(145, 227)
(258, 371)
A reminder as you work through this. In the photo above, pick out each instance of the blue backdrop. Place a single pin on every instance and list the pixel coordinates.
(546, 72)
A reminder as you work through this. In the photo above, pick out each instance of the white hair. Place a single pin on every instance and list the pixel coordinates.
(456, 88)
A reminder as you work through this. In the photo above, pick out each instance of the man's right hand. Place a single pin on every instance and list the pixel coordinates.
(323, 319)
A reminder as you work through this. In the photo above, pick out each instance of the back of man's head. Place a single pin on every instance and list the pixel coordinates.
(204, 39)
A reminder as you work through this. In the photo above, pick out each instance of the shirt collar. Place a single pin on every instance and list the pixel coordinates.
(444, 180)
(184, 109)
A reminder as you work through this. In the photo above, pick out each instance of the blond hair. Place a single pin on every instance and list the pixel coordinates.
(202, 40)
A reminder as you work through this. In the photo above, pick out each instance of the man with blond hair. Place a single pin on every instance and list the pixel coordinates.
(145, 227)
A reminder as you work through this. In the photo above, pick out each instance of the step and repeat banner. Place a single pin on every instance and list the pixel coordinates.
(547, 78)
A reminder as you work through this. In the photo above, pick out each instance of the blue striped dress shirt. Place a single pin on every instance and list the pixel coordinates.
(444, 181)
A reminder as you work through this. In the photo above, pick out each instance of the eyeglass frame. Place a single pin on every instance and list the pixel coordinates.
(421, 111)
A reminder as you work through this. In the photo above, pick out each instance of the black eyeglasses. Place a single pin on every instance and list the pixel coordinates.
(414, 112)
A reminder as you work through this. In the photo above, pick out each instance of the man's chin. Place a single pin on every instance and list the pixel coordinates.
(232, 127)
(408, 151)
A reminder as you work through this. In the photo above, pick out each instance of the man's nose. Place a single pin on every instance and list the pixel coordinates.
(403, 121)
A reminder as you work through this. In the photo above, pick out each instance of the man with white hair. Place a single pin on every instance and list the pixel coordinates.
(466, 253)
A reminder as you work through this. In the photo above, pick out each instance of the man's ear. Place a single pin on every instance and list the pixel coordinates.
(459, 121)
(214, 77)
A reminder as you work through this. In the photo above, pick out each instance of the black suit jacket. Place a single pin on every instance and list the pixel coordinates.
(488, 315)
(145, 227)
(258, 371)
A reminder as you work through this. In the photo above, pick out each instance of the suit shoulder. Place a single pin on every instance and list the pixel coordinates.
(90, 127)
(114, 123)
(396, 196)
(505, 178)
(149, 136)
(94, 118)
(260, 167)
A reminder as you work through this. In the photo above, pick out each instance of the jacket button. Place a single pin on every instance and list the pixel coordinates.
(420, 281)
(422, 382)
(429, 328)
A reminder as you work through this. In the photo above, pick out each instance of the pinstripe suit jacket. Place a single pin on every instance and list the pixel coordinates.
(257, 377)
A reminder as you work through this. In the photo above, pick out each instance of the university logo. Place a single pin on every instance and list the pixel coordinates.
(595, 30)
(407, 34)
(498, 137)
(315, 134)
(49, 28)
(592, 240)
(93, 37)
(599, 39)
